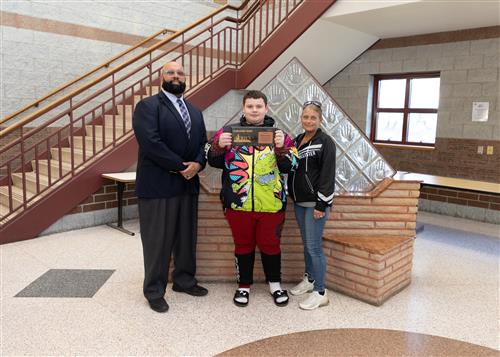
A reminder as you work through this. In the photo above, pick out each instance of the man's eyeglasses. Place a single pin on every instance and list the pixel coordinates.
(171, 73)
(312, 102)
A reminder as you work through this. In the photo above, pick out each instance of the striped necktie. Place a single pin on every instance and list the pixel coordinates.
(185, 116)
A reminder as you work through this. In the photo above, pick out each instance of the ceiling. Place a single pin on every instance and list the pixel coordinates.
(387, 19)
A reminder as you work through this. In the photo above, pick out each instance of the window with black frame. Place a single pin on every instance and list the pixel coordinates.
(405, 109)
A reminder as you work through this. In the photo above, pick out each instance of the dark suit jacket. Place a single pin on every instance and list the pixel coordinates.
(164, 146)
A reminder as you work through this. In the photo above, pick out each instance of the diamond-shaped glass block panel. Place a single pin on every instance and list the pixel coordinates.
(276, 94)
(359, 166)
(293, 76)
(311, 91)
(362, 153)
(346, 171)
(345, 134)
(332, 115)
(379, 170)
(289, 113)
(360, 184)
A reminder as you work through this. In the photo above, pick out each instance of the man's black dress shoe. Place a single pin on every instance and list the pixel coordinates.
(158, 305)
(195, 290)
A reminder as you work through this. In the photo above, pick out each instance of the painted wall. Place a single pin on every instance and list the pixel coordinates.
(68, 40)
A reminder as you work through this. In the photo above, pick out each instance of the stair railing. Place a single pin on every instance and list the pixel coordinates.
(57, 141)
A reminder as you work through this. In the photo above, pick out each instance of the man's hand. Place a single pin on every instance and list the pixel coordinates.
(279, 139)
(225, 139)
(191, 170)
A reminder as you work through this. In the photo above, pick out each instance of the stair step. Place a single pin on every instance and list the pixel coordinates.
(43, 168)
(108, 121)
(155, 90)
(4, 210)
(17, 196)
(89, 143)
(66, 155)
(108, 134)
(17, 178)
(128, 109)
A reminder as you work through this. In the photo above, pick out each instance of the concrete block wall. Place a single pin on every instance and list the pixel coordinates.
(469, 71)
(35, 62)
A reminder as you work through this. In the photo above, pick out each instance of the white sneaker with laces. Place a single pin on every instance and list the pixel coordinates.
(303, 287)
(314, 300)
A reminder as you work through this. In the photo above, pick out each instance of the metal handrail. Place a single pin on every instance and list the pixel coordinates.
(36, 102)
(79, 90)
(216, 47)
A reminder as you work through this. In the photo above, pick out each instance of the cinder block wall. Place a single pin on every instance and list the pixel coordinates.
(469, 65)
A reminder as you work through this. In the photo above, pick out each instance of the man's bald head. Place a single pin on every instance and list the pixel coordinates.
(174, 78)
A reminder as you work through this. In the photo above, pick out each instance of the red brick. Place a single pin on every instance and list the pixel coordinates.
(458, 201)
(94, 207)
(489, 198)
(111, 204)
(494, 206)
(478, 204)
(129, 194)
(436, 198)
(109, 189)
(105, 197)
(77, 209)
(428, 189)
(131, 201)
(468, 195)
(449, 193)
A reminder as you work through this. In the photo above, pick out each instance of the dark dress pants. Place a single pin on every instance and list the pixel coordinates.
(168, 226)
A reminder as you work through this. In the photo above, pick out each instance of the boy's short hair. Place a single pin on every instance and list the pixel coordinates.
(255, 94)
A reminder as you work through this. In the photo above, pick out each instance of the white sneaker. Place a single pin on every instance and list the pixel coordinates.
(303, 287)
(314, 300)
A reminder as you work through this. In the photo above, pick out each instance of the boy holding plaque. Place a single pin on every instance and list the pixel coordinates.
(253, 155)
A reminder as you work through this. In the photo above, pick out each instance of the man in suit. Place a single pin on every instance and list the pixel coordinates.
(172, 137)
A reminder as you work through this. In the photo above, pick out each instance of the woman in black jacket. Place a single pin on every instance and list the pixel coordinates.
(311, 187)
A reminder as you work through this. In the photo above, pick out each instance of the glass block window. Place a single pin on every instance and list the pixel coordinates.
(405, 109)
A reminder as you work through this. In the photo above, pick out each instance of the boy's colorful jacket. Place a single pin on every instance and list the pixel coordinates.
(252, 175)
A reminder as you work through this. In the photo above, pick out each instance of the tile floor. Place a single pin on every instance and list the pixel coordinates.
(454, 294)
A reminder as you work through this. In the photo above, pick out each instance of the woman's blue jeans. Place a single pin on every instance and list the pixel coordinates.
(311, 231)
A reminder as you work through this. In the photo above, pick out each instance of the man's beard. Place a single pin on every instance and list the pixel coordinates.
(174, 88)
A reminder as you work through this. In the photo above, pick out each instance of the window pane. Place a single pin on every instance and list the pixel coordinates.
(389, 127)
(422, 128)
(424, 93)
(391, 93)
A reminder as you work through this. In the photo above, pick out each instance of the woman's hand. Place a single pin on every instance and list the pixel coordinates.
(225, 139)
(279, 139)
(318, 214)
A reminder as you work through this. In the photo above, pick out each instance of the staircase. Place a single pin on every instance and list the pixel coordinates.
(52, 158)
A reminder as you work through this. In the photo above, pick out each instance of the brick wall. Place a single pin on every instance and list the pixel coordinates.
(451, 158)
(106, 197)
(461, 197)
(371, 271)
(392, 214)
